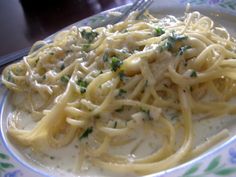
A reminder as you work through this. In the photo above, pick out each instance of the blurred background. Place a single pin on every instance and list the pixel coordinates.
(23, 22)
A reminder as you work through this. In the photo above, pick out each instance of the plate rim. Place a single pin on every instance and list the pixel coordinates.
(211, 153)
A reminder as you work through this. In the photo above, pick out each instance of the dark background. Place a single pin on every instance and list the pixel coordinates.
(23, 22)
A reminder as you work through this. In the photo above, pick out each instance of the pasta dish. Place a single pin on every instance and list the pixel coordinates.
(120, 85)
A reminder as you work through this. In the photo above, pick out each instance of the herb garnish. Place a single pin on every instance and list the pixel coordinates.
(172, 40)
(37, 60)
(115, 125)
(191, 88)
(65, 78)
(9, 76)
(159, 31)
(86, 133)
(85, 47)
(183, 49)
(115, 63)
(193, 74)
(120, 109)
(121, 75)
(105, 57)
(89, 35)
(82, 84)
(121, 92)
(62, 66)
(146, 111)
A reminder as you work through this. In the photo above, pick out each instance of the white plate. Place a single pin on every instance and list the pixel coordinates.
(219, 161)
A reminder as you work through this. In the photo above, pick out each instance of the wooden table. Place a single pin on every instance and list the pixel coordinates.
(22, 22)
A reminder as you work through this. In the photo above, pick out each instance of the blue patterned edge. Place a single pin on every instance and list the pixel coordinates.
(226, 6)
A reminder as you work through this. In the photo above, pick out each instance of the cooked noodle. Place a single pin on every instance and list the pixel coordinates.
(103, 85)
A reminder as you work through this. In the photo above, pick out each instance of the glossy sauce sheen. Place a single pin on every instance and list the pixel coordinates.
(63, 160)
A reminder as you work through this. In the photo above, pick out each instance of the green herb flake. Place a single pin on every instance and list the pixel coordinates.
(193, 74)
(183, 49)
(191, 88)
(115, 63)
(9, 77)
(68, 51)
(121, 92)
(65, 78)
(89, 35)
(115, 124)
(146, 83)
(37, 60)
(166, 46)
(83, 85)
(185, 63)
(86, 133)
(97, 117)
(120, 109)
(146, 111)
(124, 31)
(85, 47)
(105, 57)
(51, 53)
(171, 41)
(62, 66)
(177, 37)
(121, 75)
(159, 31)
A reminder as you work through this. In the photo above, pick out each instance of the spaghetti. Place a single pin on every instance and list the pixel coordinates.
(104, 85)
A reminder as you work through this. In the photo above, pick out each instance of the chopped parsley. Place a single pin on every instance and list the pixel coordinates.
(124, 31)
(191, 88)
(146, 111)
(146, 83)
(193, 74)
(172, 40)
(115, 63)
(37, 60)
(185, 63)
(9, 76)
(177, 37)
(159, 31)
(68, 51)
(62, 66)
(83, 85)
(89, 35)
(115, 124)
(86, 133)
(165, 85)
(105, 57)
(65, 78)
(120, 109)
(183, 49)
(121, 75)
(85, 47)
(121, 92)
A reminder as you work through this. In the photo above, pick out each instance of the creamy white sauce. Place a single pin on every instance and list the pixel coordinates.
(63, 160)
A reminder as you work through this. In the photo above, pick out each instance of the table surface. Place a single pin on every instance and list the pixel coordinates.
(23, 22)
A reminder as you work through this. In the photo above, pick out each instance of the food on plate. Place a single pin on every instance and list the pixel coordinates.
(114, 90)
